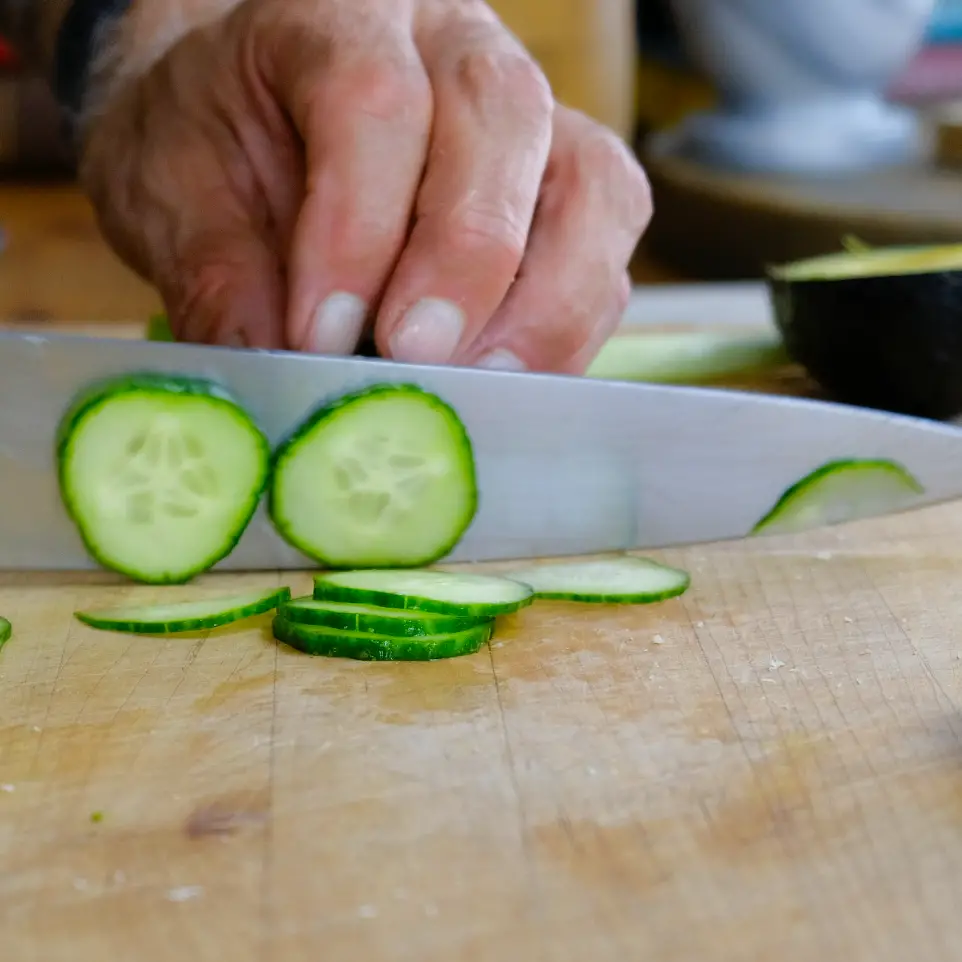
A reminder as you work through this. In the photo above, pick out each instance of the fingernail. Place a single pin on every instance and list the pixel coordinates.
(338, 323)
(502, 360)
(429, 333)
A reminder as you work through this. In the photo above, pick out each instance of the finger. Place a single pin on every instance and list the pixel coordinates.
(225, 286)
(490, 142)
(363, 109)
(595, 204)
(606, 324)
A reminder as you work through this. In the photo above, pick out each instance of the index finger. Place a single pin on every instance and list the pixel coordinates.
(358, 95)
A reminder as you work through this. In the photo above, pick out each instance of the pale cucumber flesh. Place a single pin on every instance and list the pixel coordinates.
(615, 581)
(838, 492)
(185, 615)
(432, 591)
(162, 484)
(314, 640)
(383, 478)
(373, 619)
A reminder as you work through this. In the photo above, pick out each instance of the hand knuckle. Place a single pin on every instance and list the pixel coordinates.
(384, 88)
(487, 71)
(488, 232)
(604, 157)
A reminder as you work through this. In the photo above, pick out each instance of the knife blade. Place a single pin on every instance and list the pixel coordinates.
(566, 465)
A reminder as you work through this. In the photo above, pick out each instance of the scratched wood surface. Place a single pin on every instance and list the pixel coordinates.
(769, 767)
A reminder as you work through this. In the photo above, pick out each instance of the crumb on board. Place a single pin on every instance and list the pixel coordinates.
(184, 893)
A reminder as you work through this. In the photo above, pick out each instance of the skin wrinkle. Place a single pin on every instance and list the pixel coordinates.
(252, 158)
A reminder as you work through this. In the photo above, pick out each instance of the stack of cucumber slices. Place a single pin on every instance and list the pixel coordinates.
(385, 614)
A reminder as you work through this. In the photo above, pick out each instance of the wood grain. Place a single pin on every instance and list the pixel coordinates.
(768, 767)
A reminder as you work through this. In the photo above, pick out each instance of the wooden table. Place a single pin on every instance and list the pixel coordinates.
(766, 768)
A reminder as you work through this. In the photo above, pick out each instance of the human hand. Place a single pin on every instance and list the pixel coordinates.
(291, 173)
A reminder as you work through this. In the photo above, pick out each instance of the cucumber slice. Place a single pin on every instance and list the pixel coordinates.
(383, 477)
(840, 491)
(687, 358)
(394, 622)
(313, 640)
(619, 581)
(6, 630)
(161, 474)
(441, 592)
(184, 615)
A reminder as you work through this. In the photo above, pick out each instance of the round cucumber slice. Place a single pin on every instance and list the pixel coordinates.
(6, 630)
(441, 592)
(840, 491)
(394, 622)
(160, 474)
(618, 581)
(313, 640)
(383, 477)
(184, 615)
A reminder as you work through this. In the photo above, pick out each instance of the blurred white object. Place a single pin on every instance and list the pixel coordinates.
(800, 82)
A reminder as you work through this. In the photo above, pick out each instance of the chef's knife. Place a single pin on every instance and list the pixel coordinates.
(565, 465)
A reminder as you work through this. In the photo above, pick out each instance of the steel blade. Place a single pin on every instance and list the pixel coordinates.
(565, 465)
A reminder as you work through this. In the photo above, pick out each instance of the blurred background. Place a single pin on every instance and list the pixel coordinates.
(769, 130)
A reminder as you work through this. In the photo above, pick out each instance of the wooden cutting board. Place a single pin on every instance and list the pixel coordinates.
(769, 767)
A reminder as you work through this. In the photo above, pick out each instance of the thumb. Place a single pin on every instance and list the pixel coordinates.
(227, 289)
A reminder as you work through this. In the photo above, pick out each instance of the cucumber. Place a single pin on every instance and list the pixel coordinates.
(840, 491)
(184, 615)
(382, 477)
(314, 640)
(440, 592)
(687, 358)
(160, 474)
(6, 630)
(618, 581)
(393, 622)
(158, 328)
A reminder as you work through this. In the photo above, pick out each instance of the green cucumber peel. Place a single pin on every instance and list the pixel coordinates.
(370, 619)
(160, 474)
(841, 491)
(626, 581)
(158, 328)
(439, 592)
(364, 646)
(382, 477)
(184, 616)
